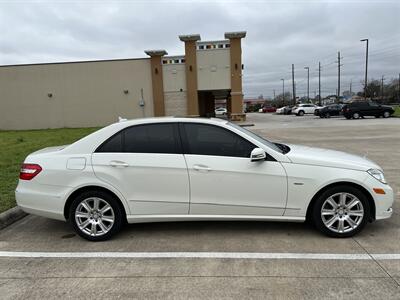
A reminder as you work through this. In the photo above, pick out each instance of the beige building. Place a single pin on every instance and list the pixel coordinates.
(96, 93)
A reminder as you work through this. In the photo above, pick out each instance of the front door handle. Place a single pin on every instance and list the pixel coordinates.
(201, 168)
(118, 164)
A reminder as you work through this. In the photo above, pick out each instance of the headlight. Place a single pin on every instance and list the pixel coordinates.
(377, 174)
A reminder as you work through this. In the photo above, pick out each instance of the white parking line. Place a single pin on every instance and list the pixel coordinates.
(220, 255)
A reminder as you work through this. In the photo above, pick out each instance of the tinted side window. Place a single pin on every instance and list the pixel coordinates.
(151, 138)
(113, 144)
(205, 139)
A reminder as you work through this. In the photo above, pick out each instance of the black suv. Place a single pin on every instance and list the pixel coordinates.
(329, 110)
(357, 110)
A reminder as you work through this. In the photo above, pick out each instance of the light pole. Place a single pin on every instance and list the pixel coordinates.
(283, 91)
(366, 69)
(308, 83)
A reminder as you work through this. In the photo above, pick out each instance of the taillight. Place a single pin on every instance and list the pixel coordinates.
(29, 171)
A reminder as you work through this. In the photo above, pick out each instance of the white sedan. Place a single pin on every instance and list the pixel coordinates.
(221, 111)
(180, 169)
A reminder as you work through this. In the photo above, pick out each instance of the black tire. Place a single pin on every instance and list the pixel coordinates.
(118, 214)
(348, 117)
(356, 115)
(386, 114)
(300, 113)
(317, 214)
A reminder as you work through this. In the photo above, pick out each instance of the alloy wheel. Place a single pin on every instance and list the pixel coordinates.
(94, 216)
(342, 212)
(386, 114)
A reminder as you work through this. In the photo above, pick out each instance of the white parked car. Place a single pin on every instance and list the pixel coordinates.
(302, 109)
(221, 111)
(280, 110)
(180, 169)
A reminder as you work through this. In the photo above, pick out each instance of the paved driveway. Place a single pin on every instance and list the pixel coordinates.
(257, 259)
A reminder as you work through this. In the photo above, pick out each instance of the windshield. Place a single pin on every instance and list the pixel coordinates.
(265, 142)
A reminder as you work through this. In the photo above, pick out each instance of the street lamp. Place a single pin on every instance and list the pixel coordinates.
(308, 83)
(283, 91)
(366, 69)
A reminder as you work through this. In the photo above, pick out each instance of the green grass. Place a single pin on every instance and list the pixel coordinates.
(16, 145)
(397, 111)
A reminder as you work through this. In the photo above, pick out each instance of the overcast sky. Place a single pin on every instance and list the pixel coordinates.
(279, 33)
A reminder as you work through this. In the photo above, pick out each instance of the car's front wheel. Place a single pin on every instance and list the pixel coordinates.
(96, 215)
(300, 113)
(341, 211)
(356, 115)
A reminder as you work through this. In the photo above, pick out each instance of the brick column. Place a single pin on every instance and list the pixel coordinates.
(157, 81)
(191, 73)
(236, 113)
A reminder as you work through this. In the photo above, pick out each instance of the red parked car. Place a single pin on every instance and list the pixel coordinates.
(268, 109)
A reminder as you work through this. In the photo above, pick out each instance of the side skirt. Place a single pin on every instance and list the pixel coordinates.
(178, 218)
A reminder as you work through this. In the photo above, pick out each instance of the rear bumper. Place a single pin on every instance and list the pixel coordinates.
(42, 200)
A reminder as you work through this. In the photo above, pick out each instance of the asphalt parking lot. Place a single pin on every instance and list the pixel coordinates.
(363, 275)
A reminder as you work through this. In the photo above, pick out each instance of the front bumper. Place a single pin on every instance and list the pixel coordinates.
(383, 202)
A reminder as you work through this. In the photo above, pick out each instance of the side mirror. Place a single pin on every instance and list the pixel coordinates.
(257, 154)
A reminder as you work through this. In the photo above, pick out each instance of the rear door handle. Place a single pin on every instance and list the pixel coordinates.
(118, 164)
(201, 168)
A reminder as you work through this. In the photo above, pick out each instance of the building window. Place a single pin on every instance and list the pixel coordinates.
(165, 61)
(183, 60)
(176, 61)
(208, 46)
(220, 45)
(201, 47)
(227, 45)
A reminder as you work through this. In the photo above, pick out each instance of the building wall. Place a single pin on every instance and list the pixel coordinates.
(175, 103)
(84, 94)
(175, 95)
(213, 69)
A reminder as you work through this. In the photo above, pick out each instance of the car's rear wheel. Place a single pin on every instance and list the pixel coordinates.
(341, 211)
(300, 113)
(356, 115)
(386, 114)
(96, 215)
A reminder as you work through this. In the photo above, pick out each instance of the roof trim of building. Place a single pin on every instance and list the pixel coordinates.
(189, 37)
(73, 62)
(212, 42)
(158, 52)
(235, 35)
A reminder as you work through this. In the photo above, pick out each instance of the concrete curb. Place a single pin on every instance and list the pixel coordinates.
(10, 216)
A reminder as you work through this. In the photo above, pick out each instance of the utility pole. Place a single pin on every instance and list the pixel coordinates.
(366, 69)
(283, 91)
(351, 82)
(308, 83)
(274, 94)
(339, 65)
(382, 86)
(293, 85)
(319, 83)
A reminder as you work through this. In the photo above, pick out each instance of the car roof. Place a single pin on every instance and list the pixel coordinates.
(127, 123)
